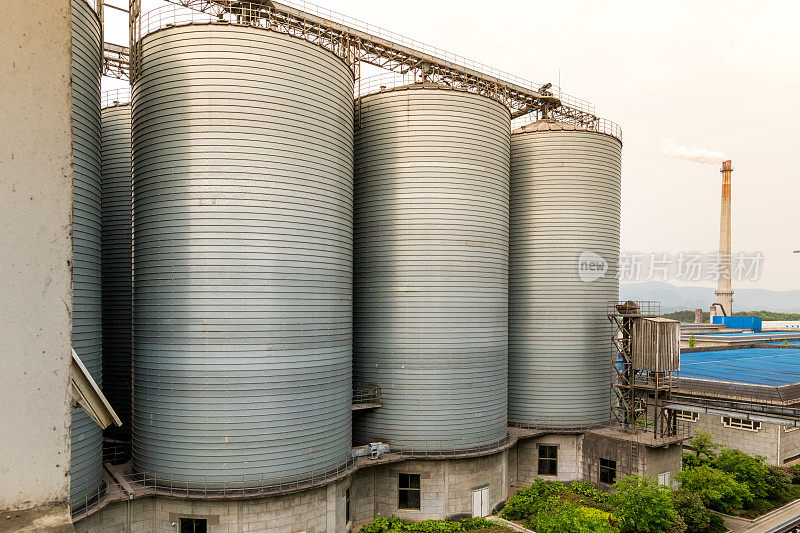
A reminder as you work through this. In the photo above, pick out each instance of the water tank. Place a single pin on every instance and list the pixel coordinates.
(86, 447)
(565, 227)
(116, 224)
(243, 234)
(431, 267)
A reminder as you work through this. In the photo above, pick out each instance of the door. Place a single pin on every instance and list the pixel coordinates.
(480, 501)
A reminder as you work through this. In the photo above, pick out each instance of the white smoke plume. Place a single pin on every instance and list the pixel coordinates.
(699, 155)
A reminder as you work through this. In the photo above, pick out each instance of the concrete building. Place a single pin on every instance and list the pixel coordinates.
(747, 396)
(411, 487)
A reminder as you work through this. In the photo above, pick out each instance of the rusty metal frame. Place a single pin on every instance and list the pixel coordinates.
(631, 385)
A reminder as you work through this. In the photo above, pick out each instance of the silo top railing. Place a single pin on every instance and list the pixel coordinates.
(357, 42)
(115, 97)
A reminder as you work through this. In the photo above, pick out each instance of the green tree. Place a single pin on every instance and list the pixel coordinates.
(703, 447)
(718, 489)
(690, 507)
(778, 483)
(745, 469)
(643, 506)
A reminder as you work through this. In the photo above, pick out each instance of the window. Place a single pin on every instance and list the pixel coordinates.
(194, 525)
(548, 460)
(664, 479)
(608, 471)
(408, 492)
(686, 416)
(347, 506)
(740, 423)
(788, 429)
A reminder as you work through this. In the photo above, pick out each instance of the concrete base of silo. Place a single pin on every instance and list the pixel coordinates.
(372, 487)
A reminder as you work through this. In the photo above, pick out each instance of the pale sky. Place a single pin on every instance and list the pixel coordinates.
(721, 75)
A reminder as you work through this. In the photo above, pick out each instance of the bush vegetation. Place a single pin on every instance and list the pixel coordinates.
(397, 525)
(730, 481)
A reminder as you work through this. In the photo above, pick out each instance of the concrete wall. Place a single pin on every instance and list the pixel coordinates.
(630, 456)
(524, 459)
(790, 446)
(763, 442)
(35, 272)
(656, 461)
(446, 487)
(314, 511)
(446, 490)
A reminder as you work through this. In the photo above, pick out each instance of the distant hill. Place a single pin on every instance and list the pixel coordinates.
(678, 298)
(688, 315)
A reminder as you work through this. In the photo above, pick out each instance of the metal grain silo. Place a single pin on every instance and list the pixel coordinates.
(242, 209)
(431, 267)
(117, 247)
(565, 228)
(86, 448)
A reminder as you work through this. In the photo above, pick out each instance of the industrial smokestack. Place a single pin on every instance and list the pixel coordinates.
(724, 291)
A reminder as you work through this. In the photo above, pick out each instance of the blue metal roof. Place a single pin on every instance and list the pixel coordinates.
(756, 366)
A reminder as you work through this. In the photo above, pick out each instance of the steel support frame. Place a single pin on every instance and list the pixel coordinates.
(637, 393)
(355, 47)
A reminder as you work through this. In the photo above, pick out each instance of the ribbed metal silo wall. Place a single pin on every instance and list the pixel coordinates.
(242, 202)
(431, 267)
(117, 247)
(565, 208)
(86, 447)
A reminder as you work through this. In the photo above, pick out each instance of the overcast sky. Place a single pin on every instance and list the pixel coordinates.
(720, 75)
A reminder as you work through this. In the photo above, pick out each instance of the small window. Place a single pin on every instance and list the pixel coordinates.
(664, 479)
(347, 506)
(740, 423)
(788, 429)
(194, 525)
(608, 471)
(408, 492)
(548, 460)
(686, 416)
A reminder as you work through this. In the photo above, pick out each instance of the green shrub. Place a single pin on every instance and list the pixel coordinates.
(718, 490)
(394, 524)
(584, 488)
(745, 469)
(779, 482)
(564, 517)
(690, 507)
(644, 506)
(531, 500)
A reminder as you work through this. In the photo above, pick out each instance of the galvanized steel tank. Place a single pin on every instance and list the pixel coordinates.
(242, 202)
(431, 267)
(565, 216)
(117, 248)
(86, 447)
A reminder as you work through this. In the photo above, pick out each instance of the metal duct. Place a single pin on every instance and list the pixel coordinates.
(565, 216)
(117, 248)
(431, 253)
(242, 205)
(86, 447)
